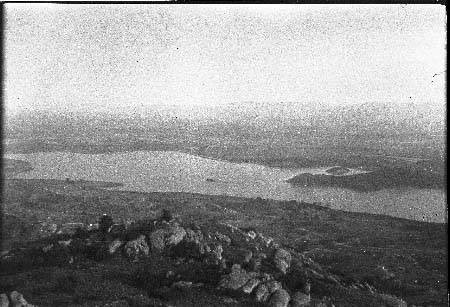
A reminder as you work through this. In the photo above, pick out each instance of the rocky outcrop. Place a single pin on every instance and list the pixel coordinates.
(4, 301)
(167, 236)
(244, 263)
(238, 256)
(137, 249)
(250, 285)
(16, 299)
(236, 279)
(300, 299)
(282, 260)
(280, 298)
(262, 293)
(114, 246)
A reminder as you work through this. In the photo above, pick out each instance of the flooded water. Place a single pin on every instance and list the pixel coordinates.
(166, 171)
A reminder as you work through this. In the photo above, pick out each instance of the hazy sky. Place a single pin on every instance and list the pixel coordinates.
(129, 57)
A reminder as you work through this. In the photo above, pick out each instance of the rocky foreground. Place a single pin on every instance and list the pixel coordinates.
(165, 262)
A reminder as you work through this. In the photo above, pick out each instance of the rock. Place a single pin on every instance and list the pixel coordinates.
(236, 279)
(17, 300)
(273, 286)
(256, 261)
(223, 238)
(114, 246)
(266, 277)
(169, 235)
(250, 285)
(265, 241)
(4, 301)
(280, 298)
(393, 301)
(238, 256)
(251, 234)
(300, 299)
(217, 251)
(262, 293)
(137, 248)
(282, 260)
(214, 256)
(194, 235)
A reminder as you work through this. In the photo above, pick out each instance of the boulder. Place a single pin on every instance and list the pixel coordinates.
(169, 235)
(17, 300)
(137, 248)
(262, 293)
(114, 246)
(222, 238)
(214, 256)
(194, 235)
(300, 299)
(280, 298)
(236, 279)
(256, 261)
(282, 260)
(273, 286)
(4, 301)
(251, 234)
(250, 285)
(238, 256)
(263, 240)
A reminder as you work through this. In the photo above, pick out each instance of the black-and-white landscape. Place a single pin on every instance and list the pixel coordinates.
(224, 155)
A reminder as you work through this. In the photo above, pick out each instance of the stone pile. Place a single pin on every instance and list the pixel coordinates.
(247, 262)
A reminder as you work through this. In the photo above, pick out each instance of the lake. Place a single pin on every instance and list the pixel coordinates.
(168, 171)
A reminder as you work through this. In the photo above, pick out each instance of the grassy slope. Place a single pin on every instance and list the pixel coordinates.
(352, 245)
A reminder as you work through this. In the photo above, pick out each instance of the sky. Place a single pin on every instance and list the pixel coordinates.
(131, 58)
